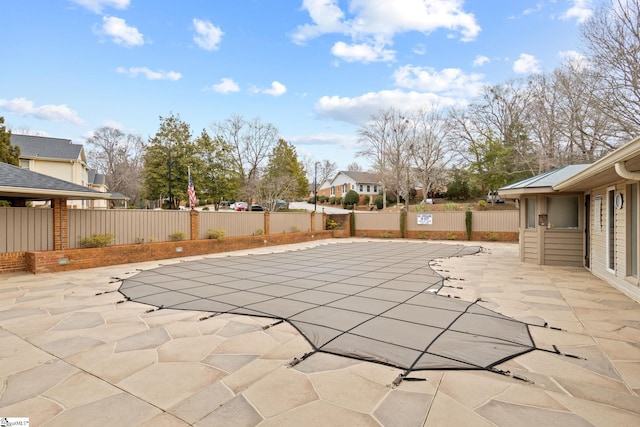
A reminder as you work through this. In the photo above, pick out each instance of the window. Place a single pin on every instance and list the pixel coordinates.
(368, 189)
(530, 212)
(361, 187)
(375, 188)
(611, 228)
(333, 191)
(563, 212)
(344, 188)
(24, 164)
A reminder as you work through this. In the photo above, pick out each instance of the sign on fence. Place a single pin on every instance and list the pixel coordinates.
(425, 219)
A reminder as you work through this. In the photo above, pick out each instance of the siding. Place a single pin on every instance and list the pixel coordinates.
(26, 229)
(529, 245)
(564, 247)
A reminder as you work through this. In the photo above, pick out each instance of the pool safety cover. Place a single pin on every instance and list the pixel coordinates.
(374, 301)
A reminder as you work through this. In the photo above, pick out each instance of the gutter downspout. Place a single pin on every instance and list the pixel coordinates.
(622, 171)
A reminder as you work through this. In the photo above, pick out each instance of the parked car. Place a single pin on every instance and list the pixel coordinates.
(494, 197)
(239, 206)
(256, 208)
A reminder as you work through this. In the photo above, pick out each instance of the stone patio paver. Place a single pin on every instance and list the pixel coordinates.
(71, 357)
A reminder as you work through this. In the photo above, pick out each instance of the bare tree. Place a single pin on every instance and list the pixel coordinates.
(430, 151)
(387, 143)
(251, 142)
(354, 167)
(612, 39)
(119, 157)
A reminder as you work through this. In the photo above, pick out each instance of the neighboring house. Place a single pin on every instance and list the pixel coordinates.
(585, 215)
(97, 181)
(364, 183)
(56, 157)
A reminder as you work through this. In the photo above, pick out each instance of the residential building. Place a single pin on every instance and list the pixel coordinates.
(364, 183)
(59, 158)
(585, 215)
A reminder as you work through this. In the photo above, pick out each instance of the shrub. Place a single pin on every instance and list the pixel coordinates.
(422, 235)
(338, 200)
(177, 236)
(331, 224)
(332, 200)
(386, 234)
(97, 241)
(450, 206)
(259, 232)
(482, 204)
(451, 236)
(493, 237)
(367, 200)
(218, 234)
(351, 198)
(468, 221)
(379, 201)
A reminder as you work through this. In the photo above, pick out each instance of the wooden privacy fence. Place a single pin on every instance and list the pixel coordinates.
(233, 223)
(487, 221)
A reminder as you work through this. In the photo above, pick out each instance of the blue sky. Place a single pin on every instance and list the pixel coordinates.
(316, 69)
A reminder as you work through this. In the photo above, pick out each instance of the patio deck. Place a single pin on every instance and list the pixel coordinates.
(71, 357)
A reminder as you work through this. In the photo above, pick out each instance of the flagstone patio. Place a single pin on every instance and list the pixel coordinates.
(71, 353)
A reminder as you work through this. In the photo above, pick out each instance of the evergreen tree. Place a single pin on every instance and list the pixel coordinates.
(8, 153)
(213, 174)
(168, 155)
(285, 178)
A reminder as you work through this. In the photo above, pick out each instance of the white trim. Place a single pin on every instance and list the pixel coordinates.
(609, 238)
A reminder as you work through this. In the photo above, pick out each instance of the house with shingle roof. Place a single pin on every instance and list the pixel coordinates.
(363, 183)
(56, 157)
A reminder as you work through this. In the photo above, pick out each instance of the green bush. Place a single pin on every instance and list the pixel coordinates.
(177, 236)
(218, 234)
(379, 201)
(338, 200)
(468, 221)
(482, 204)
(367, 200)
(351, 198)
(450, 206)
(259, 232)
(331, 224)
(332, 200)
(97, 241)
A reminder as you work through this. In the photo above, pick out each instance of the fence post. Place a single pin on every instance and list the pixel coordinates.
(267, 223)
(313, 222)
(60, 224)
(195, 224)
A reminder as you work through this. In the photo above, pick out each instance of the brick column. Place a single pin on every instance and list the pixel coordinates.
(324, 220)
(313, 222)
(60, 224)
(195, 224)
(267, 223)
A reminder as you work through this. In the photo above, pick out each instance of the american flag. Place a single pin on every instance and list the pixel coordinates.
(191, 192)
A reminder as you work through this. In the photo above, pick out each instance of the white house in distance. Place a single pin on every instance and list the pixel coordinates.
(585, 215)
(61, 159)
(363, 183)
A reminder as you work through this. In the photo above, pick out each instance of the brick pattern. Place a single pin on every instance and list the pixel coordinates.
(60, 224)
(75, 259)
(195, 225)
(12, 261)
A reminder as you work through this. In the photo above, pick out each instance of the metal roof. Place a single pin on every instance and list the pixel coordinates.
(547, 179)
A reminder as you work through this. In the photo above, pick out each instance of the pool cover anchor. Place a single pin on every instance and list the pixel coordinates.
(297, 360)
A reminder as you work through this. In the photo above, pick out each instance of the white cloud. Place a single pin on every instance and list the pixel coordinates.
(276, 89)
(581, 11)
(362, 52)
(381, 20)
(526, 64)
(207, 36)
(120, 32)
(449, 81)
(324, 139)
(97, 5)
(358, 110)
(150, 74)
(226, 85)
(480, 61)
(25, 107)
